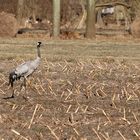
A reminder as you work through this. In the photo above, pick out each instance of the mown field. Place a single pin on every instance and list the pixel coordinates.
(83, 90)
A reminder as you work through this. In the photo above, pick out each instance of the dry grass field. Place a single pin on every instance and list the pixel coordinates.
(83, 90)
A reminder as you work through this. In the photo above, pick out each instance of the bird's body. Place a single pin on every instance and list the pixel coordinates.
(25, 69)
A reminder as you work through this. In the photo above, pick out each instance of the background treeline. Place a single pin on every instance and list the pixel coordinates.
(69, 8)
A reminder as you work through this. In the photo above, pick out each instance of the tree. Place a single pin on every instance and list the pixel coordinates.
(84, 15)
(90, 25)
(20, 10)
(56, 18)
(136, 7)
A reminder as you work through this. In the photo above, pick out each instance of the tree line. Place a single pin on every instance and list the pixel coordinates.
(56, 16)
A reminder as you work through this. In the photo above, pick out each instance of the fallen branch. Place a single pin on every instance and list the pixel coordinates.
(17, 133)
(53, 133)
(33, 116)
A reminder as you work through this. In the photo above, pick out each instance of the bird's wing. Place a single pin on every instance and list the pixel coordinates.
(27, 68)
(22, 69)
(33, 66)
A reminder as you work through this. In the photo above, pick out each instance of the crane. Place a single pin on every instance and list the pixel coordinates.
(24, 70)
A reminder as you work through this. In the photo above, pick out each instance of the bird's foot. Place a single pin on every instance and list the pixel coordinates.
(9, 97)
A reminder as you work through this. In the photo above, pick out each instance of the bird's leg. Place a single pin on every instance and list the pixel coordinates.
(21, 86)
(12, 96)
(12, 92)
(12, 86)
(24, 82)
(27, 82)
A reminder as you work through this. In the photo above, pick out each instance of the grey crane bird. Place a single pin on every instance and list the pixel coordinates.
(24, 70)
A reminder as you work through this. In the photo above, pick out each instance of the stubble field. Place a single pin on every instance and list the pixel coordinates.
(83, 90)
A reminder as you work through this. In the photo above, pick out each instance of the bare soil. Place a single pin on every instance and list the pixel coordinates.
(83, 90)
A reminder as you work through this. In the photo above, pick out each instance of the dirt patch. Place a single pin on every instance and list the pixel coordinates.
(8, 25)
(135, 28)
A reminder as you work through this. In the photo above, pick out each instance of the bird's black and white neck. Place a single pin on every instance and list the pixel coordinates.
(38, 49)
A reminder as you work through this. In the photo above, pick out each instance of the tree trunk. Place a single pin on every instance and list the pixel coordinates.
(136, 6)
(56, 18)
(90, 25)
(20, 10)
(82, 22)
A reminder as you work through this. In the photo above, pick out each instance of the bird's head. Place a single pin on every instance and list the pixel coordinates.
(39, 44)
